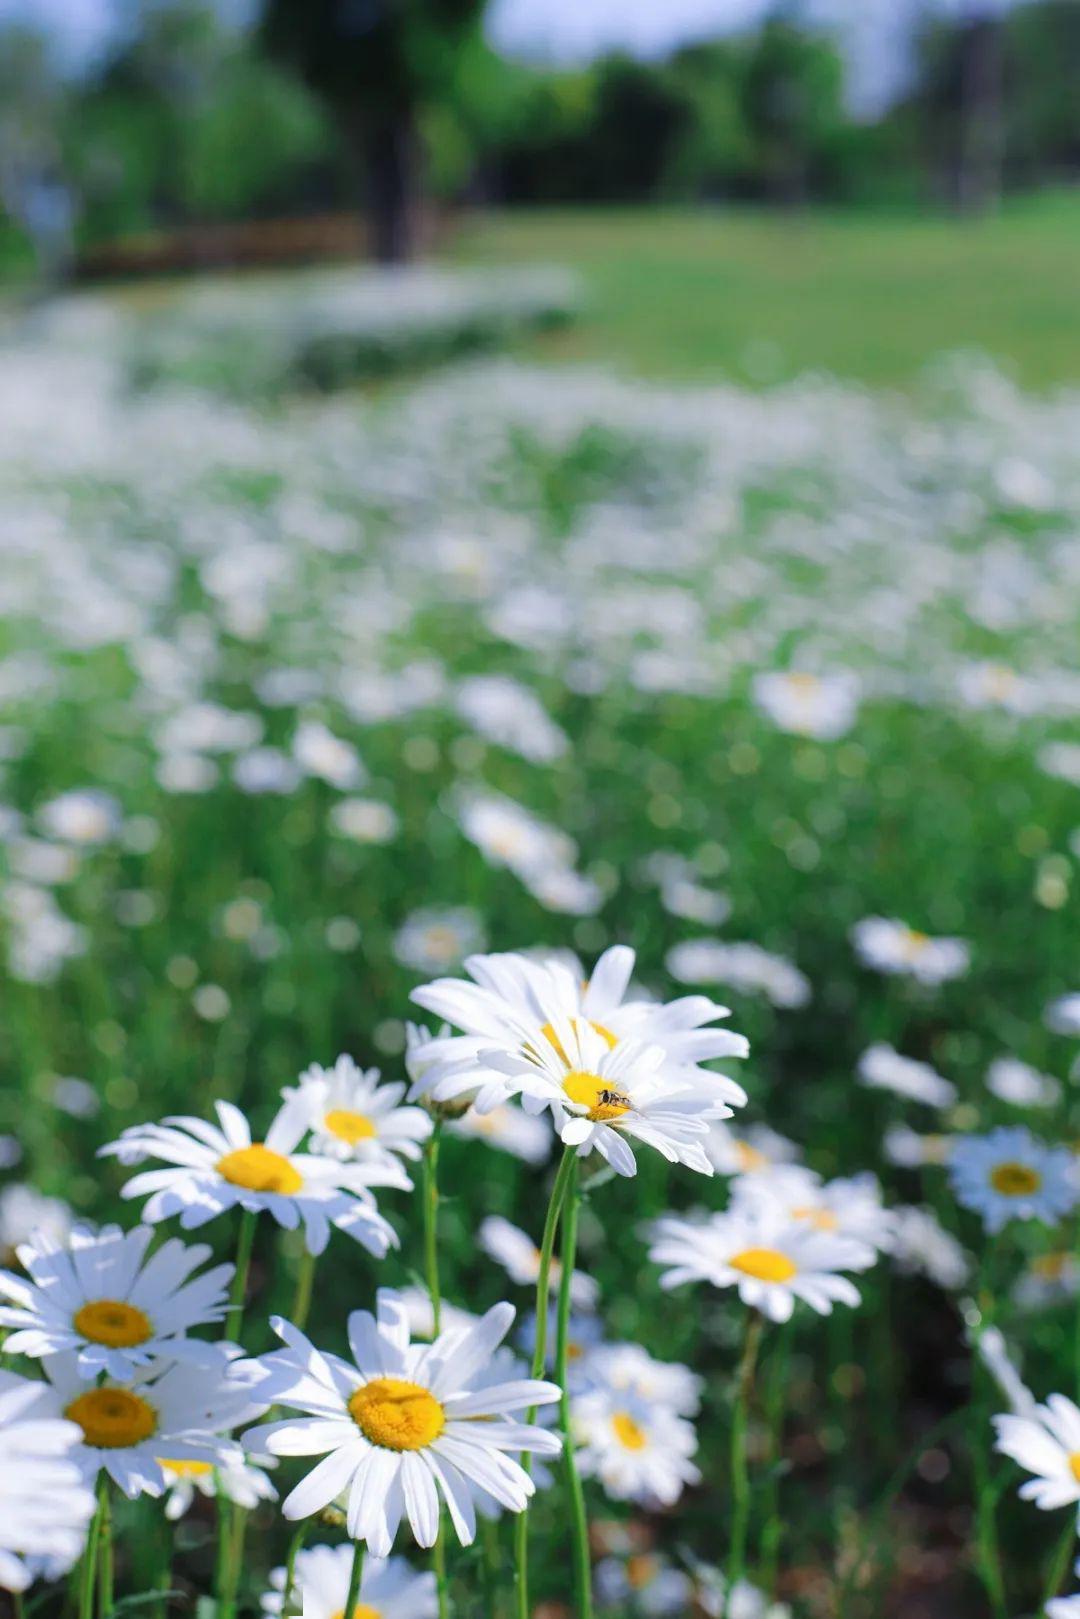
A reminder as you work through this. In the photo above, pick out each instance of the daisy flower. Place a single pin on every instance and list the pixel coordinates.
(1064, 1607)
(1046, 1444)
(740, 965)
(848, 1206)
(820, 706)
(772, 1262)
(1009, 1175)
(645, 1583)
(907, 1149)
(883, 1068)
(636, 1449)
(132, 1430)
(921, 1245)
(515, 1004)
(752, 1151)
(98, 1294)
(519, 1257)
(220, 1168)
(719, 1600)
(629, 1369)
(1047, 1279)
(389, 1587)
(585, 1333)
(25, 1213)
(889, 946)
(1021, 1085)
(402, 1424)
(234, 1477)
(438, 937)
(521, 1134)
(416, 1302)
(352, 1115)
(45, 1505)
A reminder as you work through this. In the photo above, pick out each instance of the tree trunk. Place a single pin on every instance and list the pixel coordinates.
(391, 154)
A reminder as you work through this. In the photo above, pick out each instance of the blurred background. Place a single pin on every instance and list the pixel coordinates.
(147, 138)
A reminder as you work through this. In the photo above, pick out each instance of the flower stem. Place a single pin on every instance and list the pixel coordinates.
(740, 1476)
(355, 1577)
(222, 1573)
(1061, 1560)
(105, 1549)
(492, 1561)
(305, 1278)
(295, 1545)
(88, 1571)
(539, 1360)
(575, 1497)
(238, 1292)
(773, 1531)
(431, 1225)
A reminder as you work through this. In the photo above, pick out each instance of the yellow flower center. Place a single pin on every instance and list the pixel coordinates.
(1051, 1267)
(820, 1219)
(363, 1610)
(595, 1094)
(1074, 1465)
(764, 1264)
(630, 1434)
(1015, 1180)
(609, 1039)
(640, 1571)
(112, 1322)
(186, 1469)
(257, 1169)
(913, 943)
(112, 1419)
(749, 1158)
(349, 1127)
(803, 685)
(396, 1414)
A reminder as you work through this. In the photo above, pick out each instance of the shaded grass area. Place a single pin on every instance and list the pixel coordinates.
(761, 297)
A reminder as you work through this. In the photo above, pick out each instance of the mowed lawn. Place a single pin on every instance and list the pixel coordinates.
(759, 297)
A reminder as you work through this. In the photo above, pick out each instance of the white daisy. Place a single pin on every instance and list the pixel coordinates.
(1009, 1175)
(352, 1115)
(719, 1600)
(921, 1245)
(989, 1343)
(236, 1478)
(907, 1149)
(98, 1295)
(85, 816)
(403, 1424)
(1064, 1607)
(882, 1068)
(585, 1333)
(182, 1414)
(25, 1213)
(740, 965)
(629, 1369)
(600, 1094)
(1047, 1279)
(519, 1256)
(772, 1262)
(45, 1505)
(645, 1583)
(416, 1302)
(216, 1169)
(523, 1135)
(889, 946)
(752, 1151)
(636, 1449)
(389, 1587)
(437, 938)
(1063, 1015)
(1016, 1082)
(821, 706)
(1047, 1445)
(849, 1206)
(515, 1002)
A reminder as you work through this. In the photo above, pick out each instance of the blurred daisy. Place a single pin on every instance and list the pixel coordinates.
(182, 1414)
(521, 1134)
(433, 939)
(217, 1169)
(514, 1003)
(365, 820)
(821, 706)
(719, 1600)
(848, 1206)
(629, 1369)
(100, 1297)
(1009, 1175)
(1047, 1279)
(882, 1068)
(645, 1583)
(1063, 1015)
(45, 1504)
(1016, 1082)
(889, 946)
(507, 713)
(416, 1302)
(907, 1149)
(772, 1262)
(585, 1333)
(352, 1115)
(24, 1212)
(989, 1343)
(921, 1245)
(234, 1477)
(404, 1424)
(601, 1094)
(752, 1151)
(740, 965)
(84, 816)
(519, 1256)
(1064, 1607)
(318, 752)
(389, 1587)
(1047, 1445)
(636, 1449)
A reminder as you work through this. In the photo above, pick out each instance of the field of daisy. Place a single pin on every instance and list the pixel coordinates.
(540, 1000)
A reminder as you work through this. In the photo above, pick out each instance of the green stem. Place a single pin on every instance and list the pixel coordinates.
(1059, 1567)
(575, 1497)
(295, 1546)
(539, 1361)
(355, 1577)
(105, 1549)
(491, 1567)
(740, 1476)
(305, 1278)
(222, 1577)
(773, 1531)
(88, 1572)
(986, 1538)
(438, 1564)
(431, 1225)
(238, 1292)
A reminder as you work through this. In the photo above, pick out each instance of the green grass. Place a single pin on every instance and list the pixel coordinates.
(761, 297)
